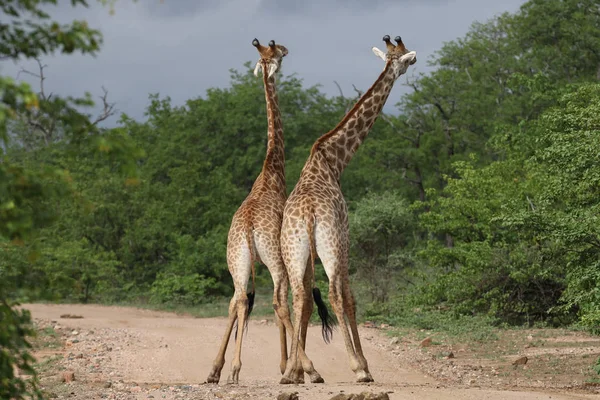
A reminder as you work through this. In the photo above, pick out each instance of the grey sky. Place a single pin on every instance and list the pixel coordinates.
(180, 48)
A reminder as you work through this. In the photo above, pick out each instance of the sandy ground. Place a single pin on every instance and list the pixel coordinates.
(127, 353)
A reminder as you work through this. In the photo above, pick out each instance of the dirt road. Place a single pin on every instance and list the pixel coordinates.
(126, 353)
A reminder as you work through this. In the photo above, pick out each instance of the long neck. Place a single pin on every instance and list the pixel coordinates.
(274, 165)
(339, 145)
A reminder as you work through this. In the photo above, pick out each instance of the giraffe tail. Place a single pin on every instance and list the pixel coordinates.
(252, 292)
(327, 322)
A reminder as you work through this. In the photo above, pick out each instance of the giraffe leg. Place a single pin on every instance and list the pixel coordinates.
(271, 257)
(306, 313)
(332, 248)
(350, 310)
(282, 317)
(236, 364)
(239, 261)
(295, 253)
(298, 362)
(290, 373)
(215, 374)
(305, 363)
(336, 298)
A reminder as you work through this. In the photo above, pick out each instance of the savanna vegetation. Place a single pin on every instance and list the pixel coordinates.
(479, 197)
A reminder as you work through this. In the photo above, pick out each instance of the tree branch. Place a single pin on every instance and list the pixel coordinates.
(108, 109)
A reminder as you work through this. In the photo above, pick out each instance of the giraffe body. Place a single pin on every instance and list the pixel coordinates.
(316, 214)
(255, 229)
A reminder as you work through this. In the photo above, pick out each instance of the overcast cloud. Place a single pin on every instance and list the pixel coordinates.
(180, 48)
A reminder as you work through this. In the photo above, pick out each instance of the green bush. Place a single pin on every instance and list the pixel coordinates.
(189, 290)
(15, 329)
(381, 243)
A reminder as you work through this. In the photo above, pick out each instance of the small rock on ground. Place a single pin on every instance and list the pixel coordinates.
(520, 361)
(288, 396)
(362, 396)
(67, 376)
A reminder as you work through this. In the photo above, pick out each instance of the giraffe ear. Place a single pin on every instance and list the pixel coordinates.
(257, 68)
(272, 69)
(411, 57)
(379, 53)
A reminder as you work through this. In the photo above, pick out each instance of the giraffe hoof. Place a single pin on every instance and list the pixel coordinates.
(366, 378)
(285, 381)
(213, 378)
(317, 380)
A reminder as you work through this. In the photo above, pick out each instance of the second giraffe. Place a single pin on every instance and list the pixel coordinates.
(315, 221)
(255, 228)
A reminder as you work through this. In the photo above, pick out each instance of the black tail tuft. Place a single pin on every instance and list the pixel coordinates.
(250, 307)
(250, 304)
(326, 320)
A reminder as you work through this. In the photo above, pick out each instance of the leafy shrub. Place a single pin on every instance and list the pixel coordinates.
(15, 328)
(176, 289)
(381, 234)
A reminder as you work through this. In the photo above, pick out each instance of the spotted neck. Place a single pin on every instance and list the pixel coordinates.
(339, 145)
(274, 164)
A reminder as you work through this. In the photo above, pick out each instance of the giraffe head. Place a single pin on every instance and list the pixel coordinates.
(270, 57)
(397, 54)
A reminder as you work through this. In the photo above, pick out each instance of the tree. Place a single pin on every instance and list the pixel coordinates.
(381, 235)
(525, 228)
(31, 33)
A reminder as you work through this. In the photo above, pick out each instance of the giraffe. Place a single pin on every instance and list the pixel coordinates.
(255, 228)
(315, 221)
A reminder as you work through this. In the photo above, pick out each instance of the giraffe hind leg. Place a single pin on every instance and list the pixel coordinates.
(306, 363)
(239, 259)
(282, 313)
(215, 374)
(291, 370)
(350, 311)
(251, 295)
(236, 363)
(271, 257)
(336, 298)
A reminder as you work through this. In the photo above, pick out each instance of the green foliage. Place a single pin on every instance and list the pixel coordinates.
(479, 198)
(118, 241)
(31, 33)
(381, 234)
(187, 290)
(15, 329)
(596, 366)
(525, 229)
(30, 192)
